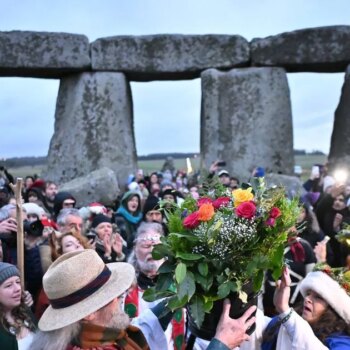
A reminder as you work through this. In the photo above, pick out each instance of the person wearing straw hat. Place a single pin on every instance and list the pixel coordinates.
(86, 310)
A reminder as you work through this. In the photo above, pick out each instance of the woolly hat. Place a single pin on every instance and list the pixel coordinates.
(170, 192)
(332, 285)
(151, 203)
(59, 199)
(32, 208)
(6, 271)
(99, 219)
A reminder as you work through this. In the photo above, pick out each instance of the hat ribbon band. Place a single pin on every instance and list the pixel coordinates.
(84, 292)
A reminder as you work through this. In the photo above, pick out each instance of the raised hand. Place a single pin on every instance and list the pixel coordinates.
(232, 332)
(282, 292)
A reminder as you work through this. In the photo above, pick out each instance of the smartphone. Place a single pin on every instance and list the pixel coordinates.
(315, 171)
(221, 163)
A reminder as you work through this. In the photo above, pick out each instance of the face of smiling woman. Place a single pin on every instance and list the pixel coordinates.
(10, 293)
(314, 307)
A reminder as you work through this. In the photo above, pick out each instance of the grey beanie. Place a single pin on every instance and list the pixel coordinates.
(6, 271)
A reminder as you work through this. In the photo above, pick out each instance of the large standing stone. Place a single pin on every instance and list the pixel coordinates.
(98, 186)
(93, 127)
(339, 155)
(324, 49)
(42, 54)
(167, 56)
(246, 120)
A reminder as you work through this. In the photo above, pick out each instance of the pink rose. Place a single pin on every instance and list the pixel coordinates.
(270, 222)
(246, 210)
(221, 202)
(191, 221)
(204, 200)
(275, 213)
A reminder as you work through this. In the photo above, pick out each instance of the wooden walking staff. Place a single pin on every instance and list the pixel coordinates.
(20, 234)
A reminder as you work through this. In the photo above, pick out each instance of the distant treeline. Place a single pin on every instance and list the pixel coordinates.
(33, 161)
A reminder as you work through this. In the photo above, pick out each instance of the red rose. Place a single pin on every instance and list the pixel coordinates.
(275, 213)
(191, 221)
(246, 210)
(221, 202)
(204, 200)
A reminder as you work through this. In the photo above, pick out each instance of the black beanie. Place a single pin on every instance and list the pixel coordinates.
(151, 203)
(98, 219)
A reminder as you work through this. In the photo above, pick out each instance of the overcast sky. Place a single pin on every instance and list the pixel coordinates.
(166, 114)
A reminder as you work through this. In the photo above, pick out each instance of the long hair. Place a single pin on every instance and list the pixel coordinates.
(56, 242)
(329, 323)
(20, 315)
(58, 339)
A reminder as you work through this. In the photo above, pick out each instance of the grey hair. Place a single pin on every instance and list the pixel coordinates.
(5, 211)
(62, 216)
(58, 339)
(143, 229)
(148, 226)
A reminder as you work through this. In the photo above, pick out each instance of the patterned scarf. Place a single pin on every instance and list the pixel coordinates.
(178, 321)
(103, 338)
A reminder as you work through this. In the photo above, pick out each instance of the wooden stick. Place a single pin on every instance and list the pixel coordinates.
(20, 234)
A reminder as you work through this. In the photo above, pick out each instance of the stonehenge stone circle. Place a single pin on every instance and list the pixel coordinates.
(169, 57)
(246, 120)
(325, 49)
(93, 127)
(339, 155)
(245, 93)
(41, 54)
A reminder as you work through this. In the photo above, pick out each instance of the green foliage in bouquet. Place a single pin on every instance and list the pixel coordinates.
(343, 236)
(220, 242)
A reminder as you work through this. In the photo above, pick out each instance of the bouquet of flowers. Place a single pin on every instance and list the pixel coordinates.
(220, 242)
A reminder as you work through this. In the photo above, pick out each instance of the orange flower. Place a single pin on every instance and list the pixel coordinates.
(240, 196)
(206, 212)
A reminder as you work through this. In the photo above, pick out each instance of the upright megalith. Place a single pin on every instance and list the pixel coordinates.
(322, 49)
(246, 120)
(93, 127)
(168, 56)
(43, 54)
(339, 155)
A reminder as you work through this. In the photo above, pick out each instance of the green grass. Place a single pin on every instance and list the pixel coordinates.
(148, 166)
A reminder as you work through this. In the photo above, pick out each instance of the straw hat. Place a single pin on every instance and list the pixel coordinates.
(78, 284)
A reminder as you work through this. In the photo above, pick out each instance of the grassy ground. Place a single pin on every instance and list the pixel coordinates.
(305, 161)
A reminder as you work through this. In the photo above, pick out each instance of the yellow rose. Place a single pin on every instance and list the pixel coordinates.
(241, 196)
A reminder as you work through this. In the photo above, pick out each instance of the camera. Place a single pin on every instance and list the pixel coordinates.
(91, 235)
(34, 228)
(221, 163)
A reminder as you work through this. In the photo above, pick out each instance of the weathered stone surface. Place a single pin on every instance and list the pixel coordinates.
(323, 49)
(42, 54)
(98, 186)
(93, 127)
(292, 184)
(246, 120)
(339, 155)
(168, 56)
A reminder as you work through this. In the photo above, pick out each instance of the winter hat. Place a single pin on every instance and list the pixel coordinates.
(333, 285)
(32, 208)
(151, 203)
(59, 199)
(99, 219)
(6, 271)
(169, 192)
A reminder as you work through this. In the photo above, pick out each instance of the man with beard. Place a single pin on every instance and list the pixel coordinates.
(148, 235)
(86, 310)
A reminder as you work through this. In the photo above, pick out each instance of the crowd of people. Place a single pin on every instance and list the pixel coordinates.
(87, 268)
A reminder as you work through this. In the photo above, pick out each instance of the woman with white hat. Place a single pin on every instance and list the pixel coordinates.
(325, 318)
(16, 324)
